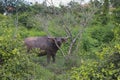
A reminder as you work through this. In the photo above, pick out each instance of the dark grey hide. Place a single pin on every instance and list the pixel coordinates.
(48, 45)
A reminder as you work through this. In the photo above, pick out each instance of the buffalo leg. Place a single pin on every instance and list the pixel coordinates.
(48, 58)
(28, 50)
(53, 57)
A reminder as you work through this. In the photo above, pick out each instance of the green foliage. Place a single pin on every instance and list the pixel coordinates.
(2, 17)
(116, 31)
(97, 70)
(96, 36)
(84, 72)
(115, 3)
(14, 62)
(105, 11)
(19, 67)
(73, 61)
(34, 32)
(8, 42)
(1, 8)
(106, 67)
(23, 18)
(116, 15)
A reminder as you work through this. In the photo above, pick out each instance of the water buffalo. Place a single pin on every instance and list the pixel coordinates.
(48, 45)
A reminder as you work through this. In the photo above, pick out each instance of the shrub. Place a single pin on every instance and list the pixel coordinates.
(106, 67)
(14, 63)
(95, 36)
(116, 15)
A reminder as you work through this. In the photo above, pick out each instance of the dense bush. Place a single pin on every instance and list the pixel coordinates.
(116, 15)
(95, 36)
(106, 67)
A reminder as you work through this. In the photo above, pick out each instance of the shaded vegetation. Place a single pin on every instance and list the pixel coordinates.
(91, 53)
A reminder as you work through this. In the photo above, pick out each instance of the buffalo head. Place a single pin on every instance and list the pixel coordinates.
(58, 40)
